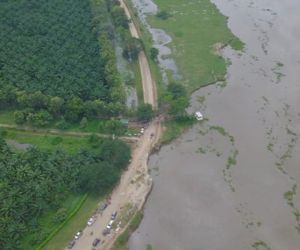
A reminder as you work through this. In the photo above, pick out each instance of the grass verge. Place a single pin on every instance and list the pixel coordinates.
(77, 222)
(70, 144)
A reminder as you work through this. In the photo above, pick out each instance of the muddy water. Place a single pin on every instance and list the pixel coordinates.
(232, 182)
(160, 39)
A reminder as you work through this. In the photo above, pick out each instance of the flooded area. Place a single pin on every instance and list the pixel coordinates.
(232, 181)
(160, 39)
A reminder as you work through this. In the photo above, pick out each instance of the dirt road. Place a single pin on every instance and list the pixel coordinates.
(135, 184)
(129, 194)
(149, 86)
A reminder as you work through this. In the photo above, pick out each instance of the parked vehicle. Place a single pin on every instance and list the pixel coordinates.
(91, 221)
(103, 206)
(77, 235)
(114, 215)
(106, 231)
(96, 242)
(71, 244)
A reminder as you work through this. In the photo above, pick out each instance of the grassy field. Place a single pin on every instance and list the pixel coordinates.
(70, 144)
(76, 223)
(47, 223)
(195, 27)
(7, 117)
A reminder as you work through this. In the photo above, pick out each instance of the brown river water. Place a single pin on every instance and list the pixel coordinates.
(232, 182)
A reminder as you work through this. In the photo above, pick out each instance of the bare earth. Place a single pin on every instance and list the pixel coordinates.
(135, 183)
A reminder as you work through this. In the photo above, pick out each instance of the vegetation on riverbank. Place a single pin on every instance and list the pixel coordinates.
(196, 27)
(121, 241)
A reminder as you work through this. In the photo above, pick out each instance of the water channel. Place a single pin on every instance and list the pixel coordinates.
(232, 182)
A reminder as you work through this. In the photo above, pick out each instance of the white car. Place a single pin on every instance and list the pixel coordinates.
(198, 116)
(110, 224)
(91, 221)
(77, 235)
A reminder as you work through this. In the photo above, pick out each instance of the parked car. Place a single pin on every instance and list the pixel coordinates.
(96, 242)
(103, 206)
(77, 235)
(91, 221)
(71, 244)
(114, 215)
(106, 231)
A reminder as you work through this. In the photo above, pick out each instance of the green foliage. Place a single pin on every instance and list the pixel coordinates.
(83, 122)
(56, 140)
(145, 112)
(121, 241)
(45, 179)
(20, 117)
(177, 99)
(49, 46)
(194, 34)
(164, 15)
(119, 17)
(175, 127)
(132, 48)
(39, 119)
(154, 53)
(58, 57)
(62, 124)
(60, 215)
(114, 127)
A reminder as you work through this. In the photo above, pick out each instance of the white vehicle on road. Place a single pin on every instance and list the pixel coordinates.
(91, 221)
(198, 116)
(77, 235)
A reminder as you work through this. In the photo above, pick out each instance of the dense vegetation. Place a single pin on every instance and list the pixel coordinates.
(35, 182)
(49, 46)
(57, 57)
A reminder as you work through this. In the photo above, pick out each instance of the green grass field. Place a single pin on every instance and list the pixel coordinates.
(70, 144)
(46, 222)
(195, 27)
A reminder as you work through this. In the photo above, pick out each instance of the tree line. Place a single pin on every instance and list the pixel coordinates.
(35, 182)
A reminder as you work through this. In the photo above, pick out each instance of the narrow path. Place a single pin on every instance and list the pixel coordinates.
(37, 131)
(135, 183)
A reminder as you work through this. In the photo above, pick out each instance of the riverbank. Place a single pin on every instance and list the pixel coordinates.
(197, 29)
(237, 173)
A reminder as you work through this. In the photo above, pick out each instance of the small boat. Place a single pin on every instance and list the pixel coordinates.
(198, 116)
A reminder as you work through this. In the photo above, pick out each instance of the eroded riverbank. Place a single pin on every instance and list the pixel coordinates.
(232, 181)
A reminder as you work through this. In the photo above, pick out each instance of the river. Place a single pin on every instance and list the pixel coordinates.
(232, 181)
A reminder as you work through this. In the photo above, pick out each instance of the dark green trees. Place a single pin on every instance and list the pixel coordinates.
(35, 182)
(145, 112)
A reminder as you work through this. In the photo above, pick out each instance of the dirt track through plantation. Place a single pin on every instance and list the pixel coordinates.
(135, 183)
